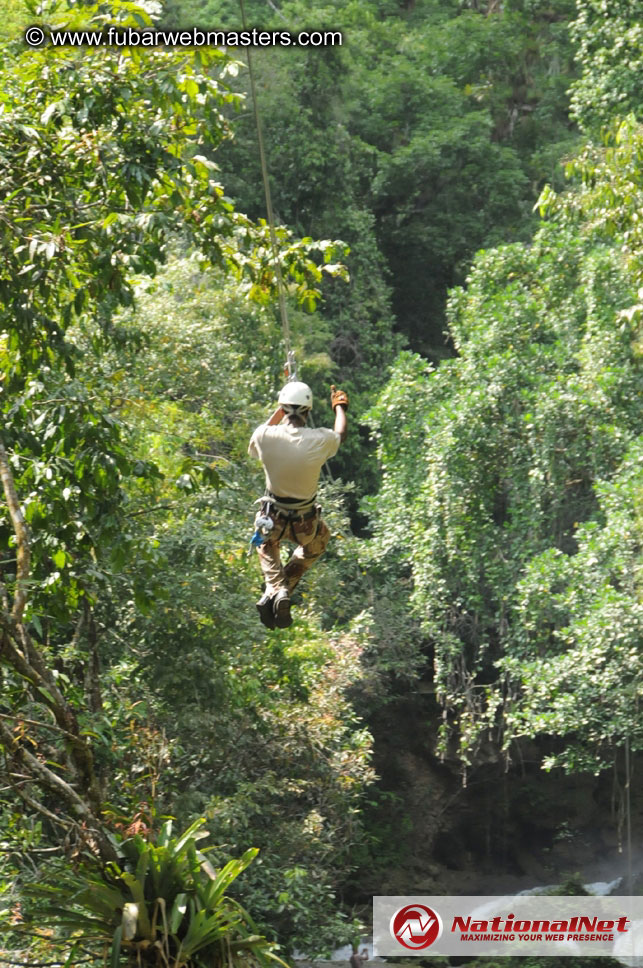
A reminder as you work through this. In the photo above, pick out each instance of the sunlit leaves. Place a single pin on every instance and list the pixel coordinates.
(609, 40)
(606, 206)
(579, 625)
(490, 465)
(87, 139)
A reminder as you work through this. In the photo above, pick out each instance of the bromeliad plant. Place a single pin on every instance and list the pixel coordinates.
(161, 905)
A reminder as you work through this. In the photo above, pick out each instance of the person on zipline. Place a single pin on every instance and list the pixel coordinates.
(293, 455)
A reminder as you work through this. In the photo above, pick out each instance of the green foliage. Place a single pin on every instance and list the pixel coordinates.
(610, 54)
(122, 462)
(426, 135)
(69, 462)
(578, 666)
(512, 439)
(572, 886)
(161, 903)
(192, 700)
(202, 712)
(606, 204)
(13, 19)
(98, 168)
(508, 528)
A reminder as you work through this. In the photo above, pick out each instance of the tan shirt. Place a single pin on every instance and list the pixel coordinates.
(293, 457)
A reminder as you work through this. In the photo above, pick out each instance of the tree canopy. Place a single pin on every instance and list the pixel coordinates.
(482, 165)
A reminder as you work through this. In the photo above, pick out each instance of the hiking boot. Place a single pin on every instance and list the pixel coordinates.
(281, 609)
(264, 607)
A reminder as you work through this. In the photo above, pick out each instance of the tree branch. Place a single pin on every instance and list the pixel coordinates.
(16, 717)
(56, 785)
(28, 663)
(46, 964)
(47, 777)
(38, 807)
(92, 668)
(4, 597)
(22, 536)
(31, 666)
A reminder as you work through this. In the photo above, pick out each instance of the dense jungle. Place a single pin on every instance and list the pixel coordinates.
(458, 196)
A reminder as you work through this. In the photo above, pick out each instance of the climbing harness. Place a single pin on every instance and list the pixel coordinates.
(289, 505)
(288, 508)
(263, 526)
(274, 508)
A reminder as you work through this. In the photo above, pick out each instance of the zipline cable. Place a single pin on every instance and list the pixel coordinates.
(291, 363)
(291, 366)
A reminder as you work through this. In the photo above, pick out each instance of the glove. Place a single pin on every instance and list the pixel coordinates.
(338, 398)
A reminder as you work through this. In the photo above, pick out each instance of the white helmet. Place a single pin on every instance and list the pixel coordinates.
(297, 395)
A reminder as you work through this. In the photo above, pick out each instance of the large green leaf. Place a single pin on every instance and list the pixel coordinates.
(138, 893)
(213, 891)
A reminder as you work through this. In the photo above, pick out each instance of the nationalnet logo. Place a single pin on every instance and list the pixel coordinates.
(416, 926)
(536, 925)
